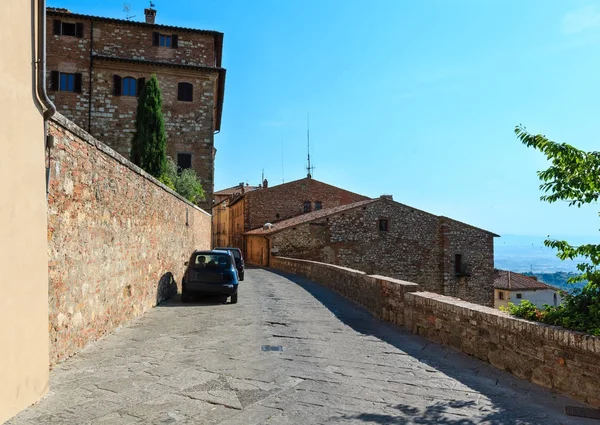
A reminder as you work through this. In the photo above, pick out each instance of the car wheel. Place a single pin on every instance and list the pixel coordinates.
(241, 276)
(185, 297)
(234, 298)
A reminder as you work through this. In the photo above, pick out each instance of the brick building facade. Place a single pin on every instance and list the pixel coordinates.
(384, 237)
(96, 67)
(252, 209)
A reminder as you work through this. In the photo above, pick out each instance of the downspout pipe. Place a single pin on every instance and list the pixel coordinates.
(50, 108)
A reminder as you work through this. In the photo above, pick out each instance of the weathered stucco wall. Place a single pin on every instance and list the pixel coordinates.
(24, 278)
(117, 239)
(556, 358)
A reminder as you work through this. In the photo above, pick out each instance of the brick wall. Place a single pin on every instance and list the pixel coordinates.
(417, 247)
(287, 200)
(189, 125)
(556, 358)
(117, 239)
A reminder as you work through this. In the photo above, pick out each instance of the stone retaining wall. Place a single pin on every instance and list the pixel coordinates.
(117, 239)
(553, 357)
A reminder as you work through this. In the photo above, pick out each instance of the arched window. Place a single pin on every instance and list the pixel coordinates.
(185, 92)
(129, 86)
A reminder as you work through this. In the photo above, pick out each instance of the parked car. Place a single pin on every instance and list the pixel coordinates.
(239, 260)
(210, 272)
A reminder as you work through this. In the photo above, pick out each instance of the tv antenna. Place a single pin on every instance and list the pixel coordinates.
(151, 4)
(127, 10)
(309, 168)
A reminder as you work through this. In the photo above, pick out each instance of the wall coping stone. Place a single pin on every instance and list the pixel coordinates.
(332, 266)
(70, 126)
(408, 286)
(562, 336)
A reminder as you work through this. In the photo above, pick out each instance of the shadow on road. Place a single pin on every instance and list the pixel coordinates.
(513, 399)
(195, 301)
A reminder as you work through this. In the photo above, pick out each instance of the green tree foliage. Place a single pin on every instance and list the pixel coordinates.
(573, 177)
(149, 143)
(184, 182)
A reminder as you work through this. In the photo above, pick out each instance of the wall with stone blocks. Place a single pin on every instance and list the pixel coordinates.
(117, 239)
(553, 357)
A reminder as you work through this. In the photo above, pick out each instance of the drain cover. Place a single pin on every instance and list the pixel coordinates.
(272, 348)
(582, 412)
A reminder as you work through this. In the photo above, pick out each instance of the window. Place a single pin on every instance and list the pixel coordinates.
(318, 205)
(64, 81)
(519, 296)
(185, 92)
(68, 28)
(278, 216)
(165, 40)
(129, 86)
(500, 295)
(184, 161)
(383, 225)
(307, 206)
(458, 264)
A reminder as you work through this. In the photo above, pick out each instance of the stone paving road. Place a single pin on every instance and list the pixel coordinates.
(202, 363)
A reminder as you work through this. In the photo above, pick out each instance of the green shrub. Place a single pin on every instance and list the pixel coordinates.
(579, 311)
(184, 182)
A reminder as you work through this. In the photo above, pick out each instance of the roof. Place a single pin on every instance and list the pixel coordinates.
(51, 11)
(234, 189)
(511, 281)
(308, 217)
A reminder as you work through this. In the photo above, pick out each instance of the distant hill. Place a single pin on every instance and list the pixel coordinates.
(557, 279)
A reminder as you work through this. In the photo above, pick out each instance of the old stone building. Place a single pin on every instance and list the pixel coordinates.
(381, 236)
(251, 209)
(97, 66)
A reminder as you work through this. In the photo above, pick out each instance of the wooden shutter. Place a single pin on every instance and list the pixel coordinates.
(79, 30)
(54, 80)
(57, 27)
(174, 41)
(155, 38)
(141, 82)
(77, 85)
(116, 85)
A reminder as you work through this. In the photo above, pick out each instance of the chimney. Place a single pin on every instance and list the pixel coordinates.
(265, 184)
(390, 197)
(242, 189)
(150, 15)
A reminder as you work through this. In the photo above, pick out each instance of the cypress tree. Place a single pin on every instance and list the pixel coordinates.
(149, 143)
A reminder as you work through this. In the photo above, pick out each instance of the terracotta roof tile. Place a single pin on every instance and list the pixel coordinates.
(308, 217)
(511, 281)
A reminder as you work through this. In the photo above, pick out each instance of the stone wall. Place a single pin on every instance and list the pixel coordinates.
(287, 200)
(117, 239)
(556, 358)
(417, 247)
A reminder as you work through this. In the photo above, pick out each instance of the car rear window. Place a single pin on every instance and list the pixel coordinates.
(205, 261)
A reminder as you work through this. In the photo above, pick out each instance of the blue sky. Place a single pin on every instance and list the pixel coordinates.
(417, 99)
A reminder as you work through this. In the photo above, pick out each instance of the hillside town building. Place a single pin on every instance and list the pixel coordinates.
(96, 67)
(511, 287)
(384, 237)
(249, 209)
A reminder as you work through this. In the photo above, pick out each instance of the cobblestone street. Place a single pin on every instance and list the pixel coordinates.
(203, 363)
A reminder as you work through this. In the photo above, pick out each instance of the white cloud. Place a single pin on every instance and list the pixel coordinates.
(581, 19)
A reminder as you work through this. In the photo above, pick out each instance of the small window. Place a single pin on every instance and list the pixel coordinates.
(500, 295)
(278, 216)
(307, 206)
(164, 40)
(185, 92)
(383, 225)
(458, 264)
(519, 296)
(184, 161)
(67, 82)
(68, 28)
(318, 205)
(129, 86)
